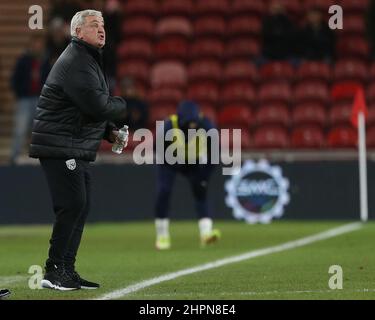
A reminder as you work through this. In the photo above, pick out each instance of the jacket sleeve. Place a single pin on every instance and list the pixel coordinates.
(84, 88)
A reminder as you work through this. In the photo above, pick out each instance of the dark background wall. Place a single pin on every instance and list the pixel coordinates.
(318, 190)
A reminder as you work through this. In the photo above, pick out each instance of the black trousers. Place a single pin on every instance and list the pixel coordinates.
(198, 177)
(70, 187)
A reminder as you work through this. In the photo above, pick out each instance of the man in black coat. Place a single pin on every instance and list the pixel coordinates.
(75, 112)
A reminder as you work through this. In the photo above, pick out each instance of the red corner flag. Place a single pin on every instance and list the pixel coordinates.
(359, 105)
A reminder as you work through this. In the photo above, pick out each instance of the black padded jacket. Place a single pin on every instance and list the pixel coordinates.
(75, 110)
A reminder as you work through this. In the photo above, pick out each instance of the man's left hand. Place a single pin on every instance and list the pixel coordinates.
(113, 135)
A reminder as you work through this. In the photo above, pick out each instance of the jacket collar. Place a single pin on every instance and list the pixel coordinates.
(95, 52)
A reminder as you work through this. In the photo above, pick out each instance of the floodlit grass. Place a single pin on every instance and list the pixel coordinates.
(122, 254)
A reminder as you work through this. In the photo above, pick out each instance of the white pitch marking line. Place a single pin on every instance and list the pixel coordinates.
(11, 279)
(258, 293)
(116, 294)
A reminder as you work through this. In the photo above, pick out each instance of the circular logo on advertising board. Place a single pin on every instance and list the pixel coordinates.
(258, 193)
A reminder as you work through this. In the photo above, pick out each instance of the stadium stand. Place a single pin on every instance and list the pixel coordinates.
(211, 51)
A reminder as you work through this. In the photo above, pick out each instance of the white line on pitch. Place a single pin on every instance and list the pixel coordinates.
(116, 294)
(256, 293)
(11, 279)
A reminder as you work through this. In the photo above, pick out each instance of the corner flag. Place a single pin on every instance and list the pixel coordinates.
(359, 106)
(359, 113)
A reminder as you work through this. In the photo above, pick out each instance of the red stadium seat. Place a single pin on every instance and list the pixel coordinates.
(354, 5)
(140, 26)
(311, 91)
(203, 92)
(354, 25)
(307, 137)
(248, 7)
(314, 70)
(242, 47)
(138, 49)
(293, 7)
(136, 69)
(350, 70)
(238, 92)
(210, 26)
(342, 137)
(274, 137)
(278, 70)
(170, 74)
(172, 48)
(161, 113)
(235, 115)
(352, 47)
(370, 120)
(340, 114)
(371, 93)
(274, 113)
(372, 73)
(240, 70)
(370, 138)
(209, 7)
(205, 69)
(244, 26)
(207, 48)
(174, 26)
(310, 114)
(322, 5)
(177, 8)
(344, 91)
(140, 7)
(246, 141)
(274, 92)
(158, 96)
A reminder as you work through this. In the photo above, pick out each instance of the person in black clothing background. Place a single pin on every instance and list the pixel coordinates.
(316, 39)
(278, 33)
(137, 111)
(74, 113)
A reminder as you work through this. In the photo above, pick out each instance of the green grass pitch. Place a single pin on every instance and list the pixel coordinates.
(121, 254)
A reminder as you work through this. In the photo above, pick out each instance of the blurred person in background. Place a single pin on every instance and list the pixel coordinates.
(64, 9)
(112, 14)
(278, 33)
(370, 26)
(316, 39)
(30, 72)
(137, 107)
(198, 175)
(57, 39)
(74, 113)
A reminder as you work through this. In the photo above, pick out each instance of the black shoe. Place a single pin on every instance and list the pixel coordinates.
(4, 293)
(84, 283)
(58, 278)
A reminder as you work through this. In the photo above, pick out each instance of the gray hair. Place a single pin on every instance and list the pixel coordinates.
(79, 19)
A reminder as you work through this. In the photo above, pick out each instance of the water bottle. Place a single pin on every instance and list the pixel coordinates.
(121, 140)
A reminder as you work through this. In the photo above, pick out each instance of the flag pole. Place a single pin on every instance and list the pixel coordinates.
(362, 158)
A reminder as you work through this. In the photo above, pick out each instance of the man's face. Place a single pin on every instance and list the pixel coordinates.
(92, 31)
